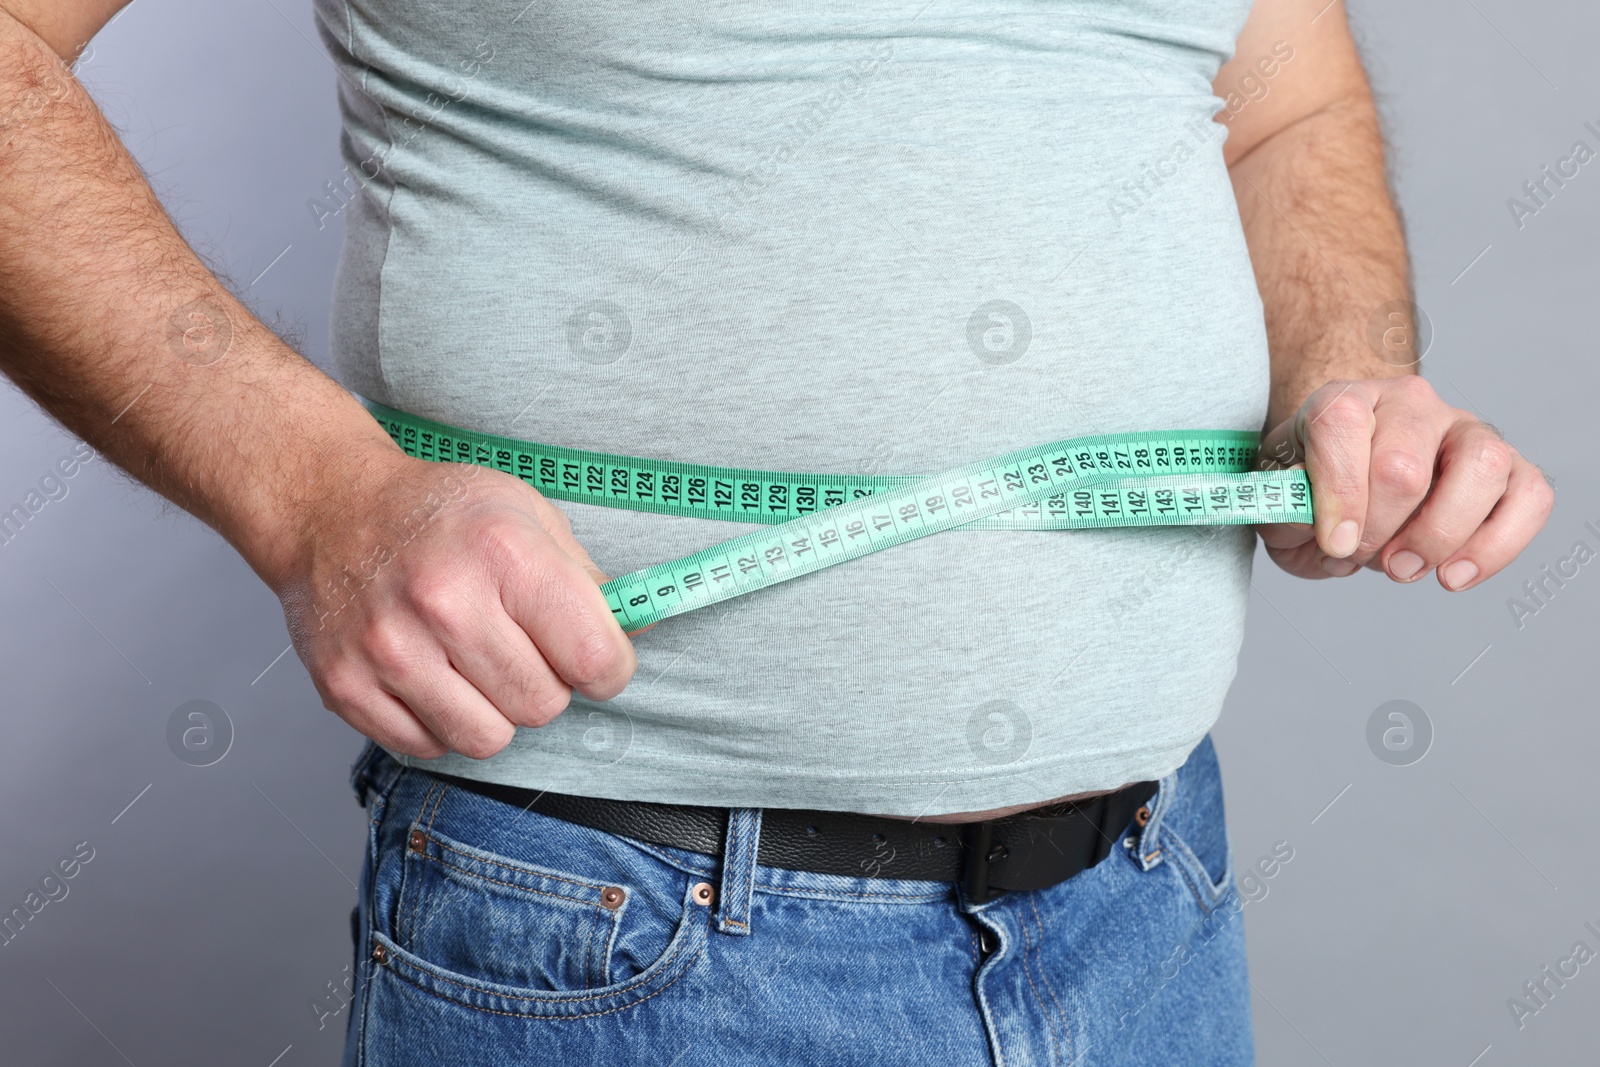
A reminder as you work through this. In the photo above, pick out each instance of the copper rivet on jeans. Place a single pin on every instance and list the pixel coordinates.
(1141, 816)
(703, 893)
(418, 841)
(611, 897)
(379, 953)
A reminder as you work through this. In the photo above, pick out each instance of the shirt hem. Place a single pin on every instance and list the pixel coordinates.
(935, 792)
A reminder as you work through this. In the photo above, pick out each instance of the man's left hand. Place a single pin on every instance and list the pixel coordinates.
(1403, 483)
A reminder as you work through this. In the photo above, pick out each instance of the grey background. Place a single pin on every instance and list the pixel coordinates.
(1419, 897)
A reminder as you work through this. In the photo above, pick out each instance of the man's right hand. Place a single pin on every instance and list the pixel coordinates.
(436, 606)
(439, 606)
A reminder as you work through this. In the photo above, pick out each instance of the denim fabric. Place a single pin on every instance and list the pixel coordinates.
(499, 945)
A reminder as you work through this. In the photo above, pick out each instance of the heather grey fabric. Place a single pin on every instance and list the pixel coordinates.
(854, 236)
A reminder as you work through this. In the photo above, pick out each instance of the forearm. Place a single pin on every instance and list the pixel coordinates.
(64, 25)
(1327, 247)
(99, 298)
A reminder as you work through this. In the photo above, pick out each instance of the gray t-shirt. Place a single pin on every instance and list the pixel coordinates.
(893, 237)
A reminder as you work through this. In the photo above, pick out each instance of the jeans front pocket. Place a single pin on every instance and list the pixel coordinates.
(476, 913)
(1193, 831)
(516, 913)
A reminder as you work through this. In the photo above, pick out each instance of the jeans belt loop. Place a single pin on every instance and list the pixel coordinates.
(977, 841)
(360, 772)
(374, 774)
(739, 852)
(1149, 839)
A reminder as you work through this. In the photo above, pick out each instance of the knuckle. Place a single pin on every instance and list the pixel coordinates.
(1347, 408)
(553, 517)
(1493, 457)
(415, 747)
(1416, 388)
(387, 648)
(552, 701)
(485, 737)
(440, 606)
(535, 695)
(595, 659)
(1332, 389)
(501, 541)
(1401, 472)
(1543, 497)
(340, 685)
(1342, 414)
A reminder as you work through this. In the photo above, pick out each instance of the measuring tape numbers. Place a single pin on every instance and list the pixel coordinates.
(1148, 478)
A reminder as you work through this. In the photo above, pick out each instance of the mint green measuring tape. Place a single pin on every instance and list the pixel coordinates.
(1155, 478)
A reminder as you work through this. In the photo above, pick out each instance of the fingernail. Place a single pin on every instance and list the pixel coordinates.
(1343, 540)
(1459, 573)
(1405, 564)
(1339, 568)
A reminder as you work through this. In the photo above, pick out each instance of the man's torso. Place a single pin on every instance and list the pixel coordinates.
(877, 237)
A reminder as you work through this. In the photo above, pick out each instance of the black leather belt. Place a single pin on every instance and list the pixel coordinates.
(1032, 850)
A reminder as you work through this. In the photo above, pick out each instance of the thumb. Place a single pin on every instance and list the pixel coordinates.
(561, 533)
(555, 522)
(569, 544)
(1280, 448)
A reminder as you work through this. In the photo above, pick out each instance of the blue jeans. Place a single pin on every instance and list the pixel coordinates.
(491, 935)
